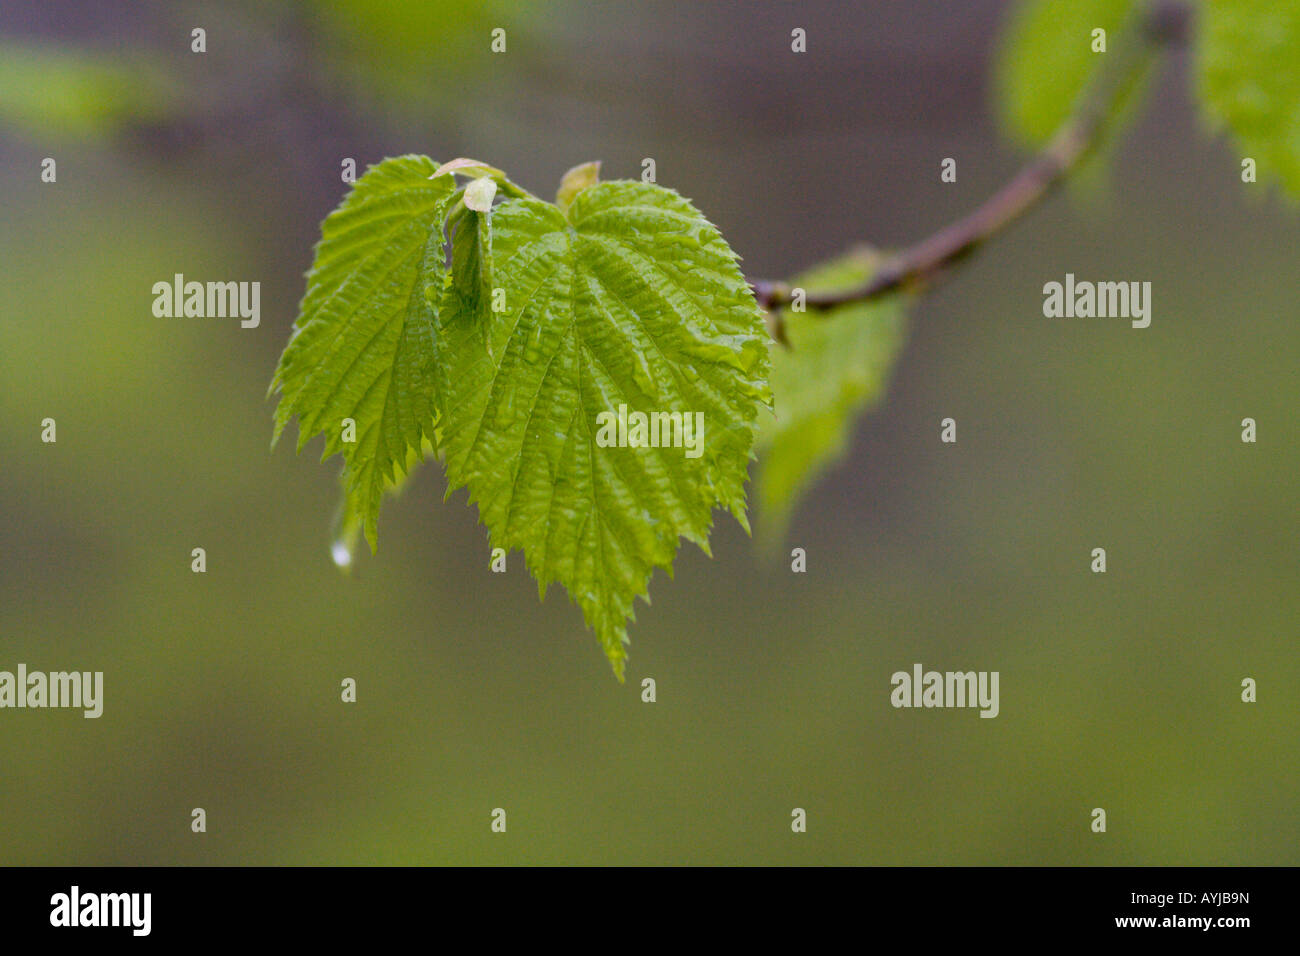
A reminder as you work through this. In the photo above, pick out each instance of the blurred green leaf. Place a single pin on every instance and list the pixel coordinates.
(403, 55)
(49, 91)
(837, 366)
(1046, 61)
(1248, 78)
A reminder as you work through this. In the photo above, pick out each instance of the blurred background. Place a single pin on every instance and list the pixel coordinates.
(222, 690)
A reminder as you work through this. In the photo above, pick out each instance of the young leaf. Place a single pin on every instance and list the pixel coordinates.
(480, 193)
(631, 300)
(580, 177)
(1249, 81)
(467, 167)
(838, 364)
(362, 347)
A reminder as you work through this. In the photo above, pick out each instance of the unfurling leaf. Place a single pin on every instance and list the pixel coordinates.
(466, 167)
(479, 194)
(631, 304)
(575, 181)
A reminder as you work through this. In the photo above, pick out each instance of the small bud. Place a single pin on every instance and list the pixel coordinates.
(479, 194)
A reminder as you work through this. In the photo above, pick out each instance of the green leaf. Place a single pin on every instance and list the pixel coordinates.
(468, 290)
(362, 347)
(1046, 64)
(403, 59)
(631, 299)
(838, 365)
(474, 168)
(1248, 76)
(580, 177)
(1046, 61)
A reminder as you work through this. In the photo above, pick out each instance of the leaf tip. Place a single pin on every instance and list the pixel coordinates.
(575, 181)
(619, 665)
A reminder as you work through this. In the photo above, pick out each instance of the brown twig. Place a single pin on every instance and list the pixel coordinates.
(1162, 23)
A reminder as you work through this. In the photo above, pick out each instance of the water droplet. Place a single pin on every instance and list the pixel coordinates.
(345, 532)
